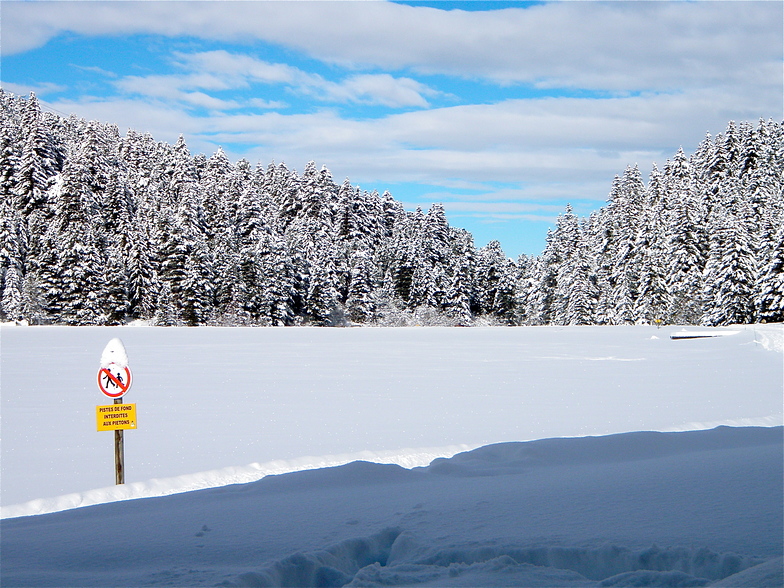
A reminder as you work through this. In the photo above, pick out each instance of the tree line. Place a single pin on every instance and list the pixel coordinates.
(99, 228)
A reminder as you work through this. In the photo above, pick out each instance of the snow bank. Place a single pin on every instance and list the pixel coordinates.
(408, 458)
(508, 458)
(635, 509)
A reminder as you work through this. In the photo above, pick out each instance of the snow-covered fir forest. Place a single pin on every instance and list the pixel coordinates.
(98, 228)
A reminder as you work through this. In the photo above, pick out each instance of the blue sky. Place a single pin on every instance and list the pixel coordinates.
(502, 111)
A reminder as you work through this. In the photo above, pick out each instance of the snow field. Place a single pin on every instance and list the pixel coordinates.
(682, 508)
(213, 400)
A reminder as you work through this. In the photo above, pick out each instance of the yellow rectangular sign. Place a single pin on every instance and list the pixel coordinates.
(114, 417)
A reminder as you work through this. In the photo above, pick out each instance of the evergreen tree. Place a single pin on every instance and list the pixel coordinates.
(12, 301)
(142, 278)
(541, 293)
(581, 297)
(729, 275)
(496, 280)
(625, 210)
(653, 298)
(460, 281)
(769, 299)
(114, 301)
(566, 246)
(37, 164)
(360, 303)
(323, 302)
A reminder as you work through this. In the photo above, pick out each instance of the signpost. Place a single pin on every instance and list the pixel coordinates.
(114, 381)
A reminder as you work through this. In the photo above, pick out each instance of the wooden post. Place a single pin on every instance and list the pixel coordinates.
(119, 453)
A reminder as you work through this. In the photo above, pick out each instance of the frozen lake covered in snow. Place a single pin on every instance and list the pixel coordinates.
(287, 398)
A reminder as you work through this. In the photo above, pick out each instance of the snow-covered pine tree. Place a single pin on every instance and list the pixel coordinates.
(460, 282)
(495, 278)
(567, 242)
(360, 303)
(581, 299)
(115, 299)
(12, 299)
(653, 298)
(541, 293)
(166, 315)
(13, 245)
(37, 163)
(598, 238)
(179, 175)
(400, 257)
(220, 190)
(274, 289)
(197, 290)
(769, 295)
(72, 277)
(9, 161)
(730, 273)
(625, 211)
(488, 268)
(430, 260)
(323, 304)
(685, 246)
(143, 283)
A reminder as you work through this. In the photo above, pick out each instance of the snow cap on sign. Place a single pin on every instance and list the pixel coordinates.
(114, 352)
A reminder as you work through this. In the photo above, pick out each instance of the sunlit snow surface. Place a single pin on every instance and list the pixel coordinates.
(240, 403)
(674, 509)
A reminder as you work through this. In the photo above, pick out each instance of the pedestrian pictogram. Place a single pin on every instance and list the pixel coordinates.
(114, 380)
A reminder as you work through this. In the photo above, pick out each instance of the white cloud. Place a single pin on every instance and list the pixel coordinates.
(381, 89)
(616, 46)
(267, 104)
(240, 68)
(176, 88)
(98, 70)
(550, 145)
(40, 88)
(220, 70)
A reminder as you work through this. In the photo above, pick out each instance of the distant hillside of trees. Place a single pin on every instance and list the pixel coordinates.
(98, 228)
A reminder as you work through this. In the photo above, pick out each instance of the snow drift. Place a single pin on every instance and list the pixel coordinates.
(640, 509)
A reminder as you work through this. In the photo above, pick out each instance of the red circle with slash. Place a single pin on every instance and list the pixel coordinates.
(114, 380)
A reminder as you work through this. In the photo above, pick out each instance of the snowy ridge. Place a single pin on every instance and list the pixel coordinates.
(773, 420)
(673, 510)
(408, 458)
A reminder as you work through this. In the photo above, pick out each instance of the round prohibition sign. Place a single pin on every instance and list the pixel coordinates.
(114, 380)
